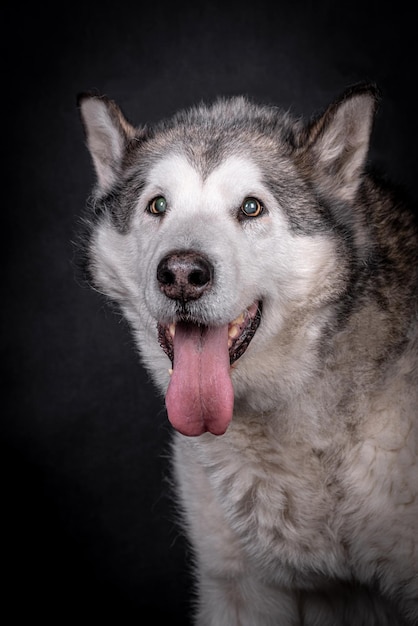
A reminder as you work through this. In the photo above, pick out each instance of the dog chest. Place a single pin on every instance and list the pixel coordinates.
(276, 507)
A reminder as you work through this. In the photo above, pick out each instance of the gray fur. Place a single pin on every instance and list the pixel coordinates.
(305, 511)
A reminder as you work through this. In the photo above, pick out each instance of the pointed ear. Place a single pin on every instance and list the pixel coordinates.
(337, 143)
(108, 134)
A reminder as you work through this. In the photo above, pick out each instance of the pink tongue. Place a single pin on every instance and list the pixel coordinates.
(200, 396)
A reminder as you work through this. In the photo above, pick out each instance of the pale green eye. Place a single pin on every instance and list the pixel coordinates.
(158, 206)
(251, 207)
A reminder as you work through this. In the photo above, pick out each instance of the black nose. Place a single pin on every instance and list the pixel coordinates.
(184, 275)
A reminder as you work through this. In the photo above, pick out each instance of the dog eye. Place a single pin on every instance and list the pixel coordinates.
(157, 206)
(251, 207)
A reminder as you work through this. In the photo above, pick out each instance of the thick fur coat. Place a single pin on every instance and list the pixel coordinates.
(271, 286)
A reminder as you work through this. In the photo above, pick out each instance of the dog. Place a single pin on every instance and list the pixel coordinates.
(270, 281)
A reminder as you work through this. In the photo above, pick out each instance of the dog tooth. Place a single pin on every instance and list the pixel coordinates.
(172, 329)
(170, 371)
(233, 331)
(239, 319)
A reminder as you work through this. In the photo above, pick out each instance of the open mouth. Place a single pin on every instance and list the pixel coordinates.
(240, 332)
(200, 395)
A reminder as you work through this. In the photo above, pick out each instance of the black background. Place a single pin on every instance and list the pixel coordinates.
(87, 519)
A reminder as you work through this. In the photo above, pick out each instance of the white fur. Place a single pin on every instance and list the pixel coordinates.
(292, 528)
(299, 492)
(263, 257)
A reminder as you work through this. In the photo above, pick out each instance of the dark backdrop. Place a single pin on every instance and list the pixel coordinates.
(87, 519)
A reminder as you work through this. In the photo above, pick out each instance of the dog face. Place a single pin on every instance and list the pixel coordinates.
(217, 233)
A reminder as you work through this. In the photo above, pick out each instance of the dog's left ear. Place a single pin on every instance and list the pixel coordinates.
(336, 144)
(108, 135)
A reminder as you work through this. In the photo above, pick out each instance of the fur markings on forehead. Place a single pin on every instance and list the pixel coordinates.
(229, 182)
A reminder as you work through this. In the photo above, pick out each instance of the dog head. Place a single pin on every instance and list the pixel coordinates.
(221, 231)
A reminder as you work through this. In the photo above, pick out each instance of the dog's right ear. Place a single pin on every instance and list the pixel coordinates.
(108, 134)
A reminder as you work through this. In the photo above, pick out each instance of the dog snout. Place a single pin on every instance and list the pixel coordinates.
(184, 275)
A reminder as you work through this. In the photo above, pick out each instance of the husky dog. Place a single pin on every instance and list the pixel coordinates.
(271, 285)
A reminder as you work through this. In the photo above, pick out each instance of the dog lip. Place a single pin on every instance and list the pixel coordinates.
(240, 332)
